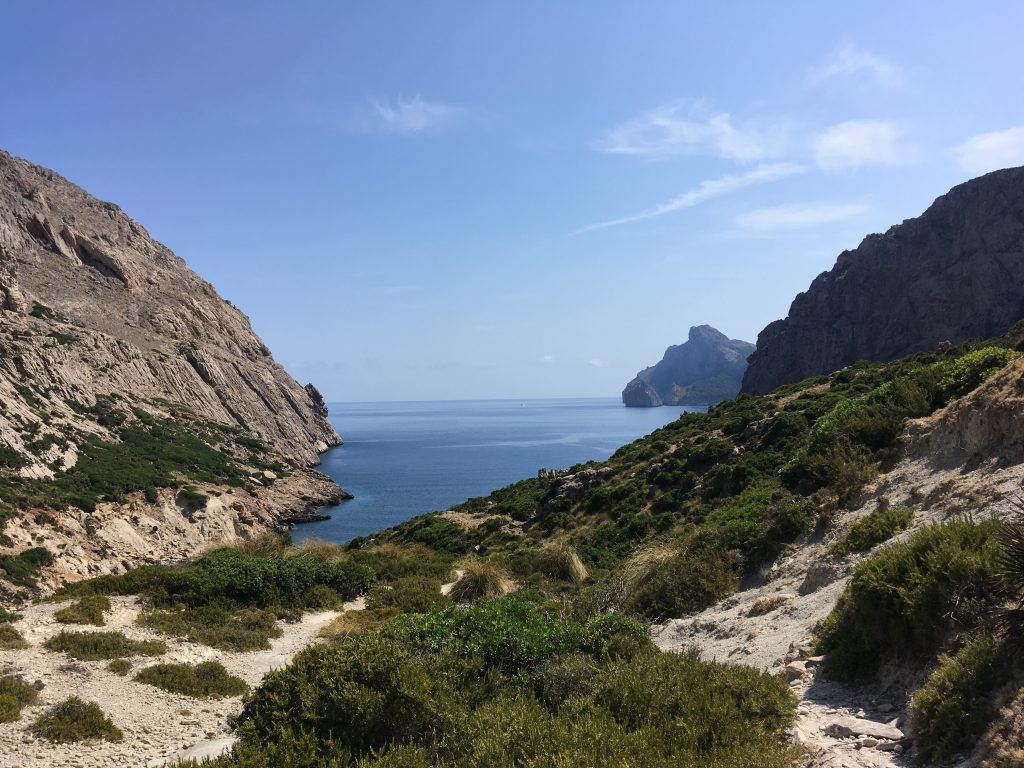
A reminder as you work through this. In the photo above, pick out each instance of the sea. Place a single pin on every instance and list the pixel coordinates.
(401, 459)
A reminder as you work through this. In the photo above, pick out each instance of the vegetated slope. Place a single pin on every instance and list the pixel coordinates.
(125, 378)
(737, 531)
(956, 272)
(705, 369)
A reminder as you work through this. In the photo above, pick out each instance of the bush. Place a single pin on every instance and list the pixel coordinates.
(910, 598)
(75, 720)
(506, 682)
(9, 708)
(120, 667)
(561, 563)
(481, 578)
(881, 525)
(217, 626)
(10, 638)
(953, 708)
(15, 695)
(21, 569)
(409, 594)
(206, 680)
(87, 610)
(232, 576)
(95, 646)
(677, 582)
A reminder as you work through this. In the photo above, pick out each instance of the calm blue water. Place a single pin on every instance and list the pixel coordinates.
(403, 459)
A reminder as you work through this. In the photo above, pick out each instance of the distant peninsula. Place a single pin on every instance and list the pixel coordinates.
(704, 370)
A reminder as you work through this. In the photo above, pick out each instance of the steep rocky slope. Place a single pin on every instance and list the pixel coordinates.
(112, 348)
(704, 370)
(956, 272)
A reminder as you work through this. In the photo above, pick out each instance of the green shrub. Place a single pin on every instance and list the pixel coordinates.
(230, 575)
(10, 638)
(683, 581)
(965, 373)
(75, 720)
(507, 682)
(206, 680)
(8, 617)
(15, 695)
(481, 578)
(953, 708)
(95, 646)
(9, 708)
(911, 597)
(87, 610)
(881, 525)
(218, 626)
(21, 569)
(120, 667)
(408, 594)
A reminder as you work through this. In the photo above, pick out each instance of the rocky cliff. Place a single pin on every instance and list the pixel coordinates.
(954, 273)
(704, 370)
(121, 369)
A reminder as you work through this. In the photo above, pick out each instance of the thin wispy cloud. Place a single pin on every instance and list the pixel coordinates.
(851, 60)
(415, 115)
(859, 142)
(547, 359)
(798, 216)
(597, 362)
(992, 151)
(706, 190)
(678, 130)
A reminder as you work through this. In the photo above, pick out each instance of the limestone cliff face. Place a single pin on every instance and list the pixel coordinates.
(954, 273)
(142, 321)
(704, 370)
(94, 312)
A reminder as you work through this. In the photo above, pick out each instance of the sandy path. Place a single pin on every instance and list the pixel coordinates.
(157, 725)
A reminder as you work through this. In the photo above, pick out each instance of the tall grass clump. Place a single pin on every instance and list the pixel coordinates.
(481, 578)
(560, 562)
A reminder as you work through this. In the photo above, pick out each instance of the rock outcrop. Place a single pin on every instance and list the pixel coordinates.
(954, 273)
(102, 326)
(704, 370)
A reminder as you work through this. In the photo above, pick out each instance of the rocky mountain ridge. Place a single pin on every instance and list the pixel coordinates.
(103, 330)
(703, 370)
(954, 273)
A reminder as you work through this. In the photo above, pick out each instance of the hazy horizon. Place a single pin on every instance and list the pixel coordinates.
(501, 202)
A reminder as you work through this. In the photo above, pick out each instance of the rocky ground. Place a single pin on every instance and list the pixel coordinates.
(158, 726)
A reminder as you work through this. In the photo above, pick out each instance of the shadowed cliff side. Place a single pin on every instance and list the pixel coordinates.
(954, 273)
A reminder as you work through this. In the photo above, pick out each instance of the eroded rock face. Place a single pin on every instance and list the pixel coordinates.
(141, 320)
(954, 273)
(93, 309)
(704, 370)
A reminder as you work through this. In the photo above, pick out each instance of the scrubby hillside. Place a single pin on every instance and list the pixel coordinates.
(736, 533)
(140, 416)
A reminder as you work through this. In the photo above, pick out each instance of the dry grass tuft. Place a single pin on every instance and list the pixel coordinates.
(267, 544)
(481, 578)
(320, 549)
(560, 562)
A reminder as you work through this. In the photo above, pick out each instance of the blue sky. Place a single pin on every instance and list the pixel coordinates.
(510, 199)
